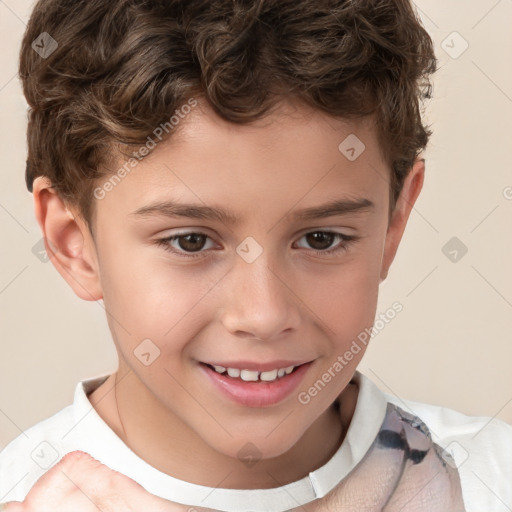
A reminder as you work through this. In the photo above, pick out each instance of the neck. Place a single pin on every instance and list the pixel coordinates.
(177, 450)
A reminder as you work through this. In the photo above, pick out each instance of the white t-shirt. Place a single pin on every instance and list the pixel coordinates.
(402, 453)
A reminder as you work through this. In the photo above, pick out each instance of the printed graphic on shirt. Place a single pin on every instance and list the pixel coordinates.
(404, 470)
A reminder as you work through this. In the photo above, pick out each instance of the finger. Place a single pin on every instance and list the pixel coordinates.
(12, 506)
(73, 466)
(78, 475)
(68, 481)
(105, 486)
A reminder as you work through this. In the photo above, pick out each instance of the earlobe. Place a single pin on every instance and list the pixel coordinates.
(408, 195)
(68, 242)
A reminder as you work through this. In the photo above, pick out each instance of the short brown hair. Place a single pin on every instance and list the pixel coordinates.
(122, 67)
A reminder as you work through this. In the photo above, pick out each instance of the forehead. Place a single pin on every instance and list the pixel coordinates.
(293, 155)
(285, 128)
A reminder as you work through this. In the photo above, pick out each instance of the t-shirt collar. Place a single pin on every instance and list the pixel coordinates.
(101, 442)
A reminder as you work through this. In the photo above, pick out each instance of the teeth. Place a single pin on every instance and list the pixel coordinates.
(249, 375)
(233, 372)
(269, 376)
(253, 375)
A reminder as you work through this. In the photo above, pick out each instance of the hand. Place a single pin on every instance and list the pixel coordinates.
(80, 483)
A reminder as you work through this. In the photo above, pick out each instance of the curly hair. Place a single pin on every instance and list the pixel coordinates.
(119, 68)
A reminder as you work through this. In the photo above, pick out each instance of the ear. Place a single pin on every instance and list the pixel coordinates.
(408, 195)
(68, 242)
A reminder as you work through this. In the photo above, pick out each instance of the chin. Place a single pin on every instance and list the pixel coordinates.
(254, 447)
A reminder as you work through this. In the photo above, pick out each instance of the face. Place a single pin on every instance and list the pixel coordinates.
(256, 248)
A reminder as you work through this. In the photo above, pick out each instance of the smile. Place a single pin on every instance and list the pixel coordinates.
(254, 375)
(257, 386)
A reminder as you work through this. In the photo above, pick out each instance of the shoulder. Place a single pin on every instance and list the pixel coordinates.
(479, 436)
(480, 446)
(27, 457)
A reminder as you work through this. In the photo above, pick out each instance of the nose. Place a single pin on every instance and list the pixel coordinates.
(259, 301)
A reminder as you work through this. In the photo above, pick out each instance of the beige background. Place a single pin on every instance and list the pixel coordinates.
(452, 343)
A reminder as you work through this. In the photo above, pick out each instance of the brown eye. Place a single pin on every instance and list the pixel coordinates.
(191, 242)
(187, 244)
(320, 240)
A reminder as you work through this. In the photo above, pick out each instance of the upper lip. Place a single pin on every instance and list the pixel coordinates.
(255, 366)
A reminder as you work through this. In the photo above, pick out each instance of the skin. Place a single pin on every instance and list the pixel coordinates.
(80, 483)
(290, 303)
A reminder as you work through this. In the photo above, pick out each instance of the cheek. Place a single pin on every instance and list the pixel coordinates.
(345, 303)
(147, 297)
(344, 297)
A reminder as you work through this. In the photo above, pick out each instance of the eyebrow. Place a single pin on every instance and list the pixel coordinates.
(224, 215)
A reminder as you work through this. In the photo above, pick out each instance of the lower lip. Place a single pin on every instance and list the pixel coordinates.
(259, 393)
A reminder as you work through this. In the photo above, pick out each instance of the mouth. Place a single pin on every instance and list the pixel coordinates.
(253, 375)
(256, 385)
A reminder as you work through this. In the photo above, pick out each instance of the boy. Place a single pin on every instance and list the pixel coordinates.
(233, 180)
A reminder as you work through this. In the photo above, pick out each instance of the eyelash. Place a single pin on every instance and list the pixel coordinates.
(347, 241)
